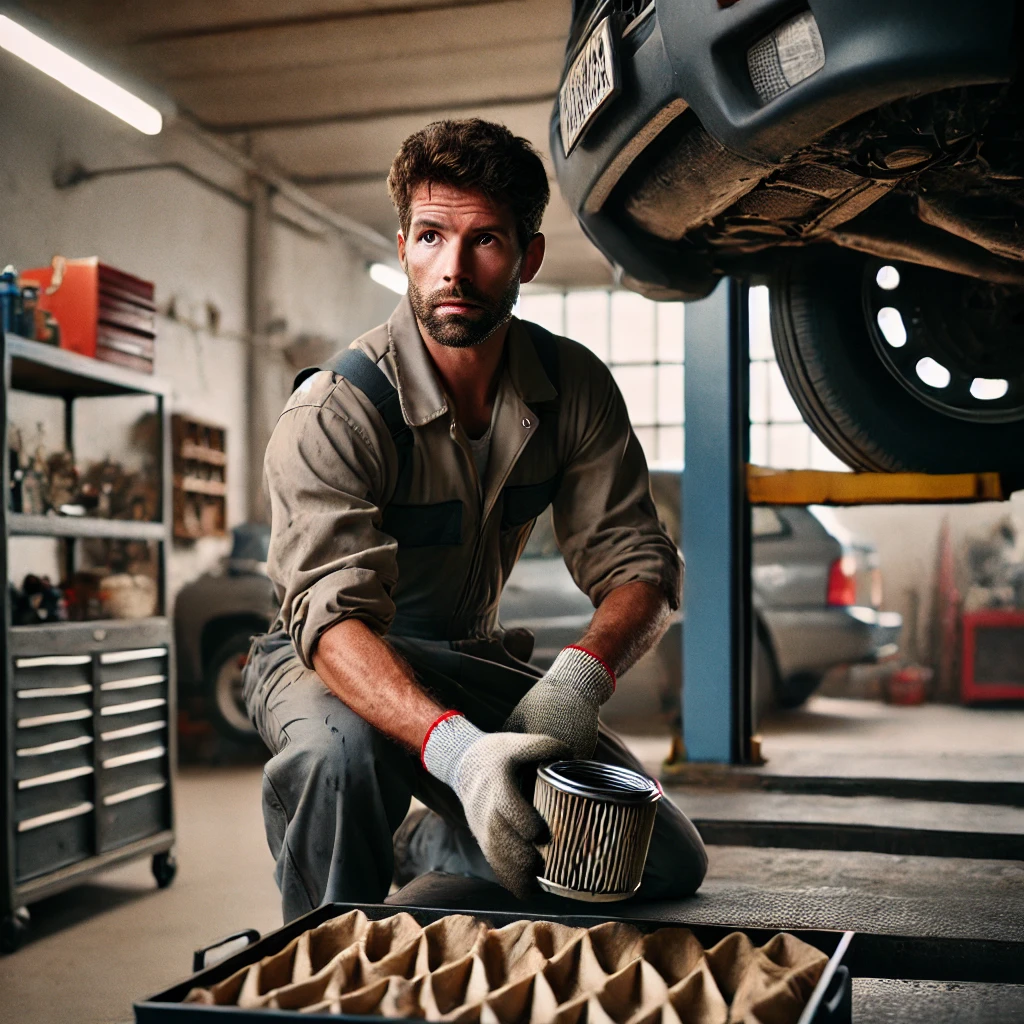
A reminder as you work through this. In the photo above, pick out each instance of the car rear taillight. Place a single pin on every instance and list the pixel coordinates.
(842, 582)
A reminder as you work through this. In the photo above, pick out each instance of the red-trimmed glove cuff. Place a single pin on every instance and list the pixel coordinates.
(584, 673)
(430, 732)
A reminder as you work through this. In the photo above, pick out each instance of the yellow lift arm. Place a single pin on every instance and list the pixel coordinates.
(818, 487)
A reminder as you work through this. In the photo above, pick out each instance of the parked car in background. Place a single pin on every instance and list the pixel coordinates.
(865, 159)
(214, 618)
(817, 598)
(816, 593)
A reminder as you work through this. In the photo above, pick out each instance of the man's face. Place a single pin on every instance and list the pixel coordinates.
(464, 264)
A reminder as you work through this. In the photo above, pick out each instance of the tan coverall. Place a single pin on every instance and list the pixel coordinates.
(415, 545)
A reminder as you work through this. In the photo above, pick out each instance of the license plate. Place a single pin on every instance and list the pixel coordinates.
(591, 81)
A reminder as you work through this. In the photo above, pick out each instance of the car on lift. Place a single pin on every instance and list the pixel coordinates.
(816, 594)
(865, 160)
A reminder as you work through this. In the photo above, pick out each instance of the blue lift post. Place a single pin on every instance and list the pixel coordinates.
(716, 528)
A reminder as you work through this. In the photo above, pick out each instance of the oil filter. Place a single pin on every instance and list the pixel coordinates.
(600, 817)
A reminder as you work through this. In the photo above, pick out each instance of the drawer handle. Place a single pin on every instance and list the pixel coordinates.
(133, 683)
(63, 716)
(118, 657)
(48, 780)
(140, 755)
(132, 730)
(54, 816)
(137, 705)
(54, 691)
(53, 659)
(132, 794)
(54, 748)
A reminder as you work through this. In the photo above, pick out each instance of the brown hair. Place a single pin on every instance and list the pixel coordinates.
(472, 154)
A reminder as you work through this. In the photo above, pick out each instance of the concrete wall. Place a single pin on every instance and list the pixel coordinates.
(908, 539)
(192, 242)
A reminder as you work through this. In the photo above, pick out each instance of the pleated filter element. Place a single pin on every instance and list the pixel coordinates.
(600, 818)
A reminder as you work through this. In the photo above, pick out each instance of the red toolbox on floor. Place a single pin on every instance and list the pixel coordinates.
(992, 662)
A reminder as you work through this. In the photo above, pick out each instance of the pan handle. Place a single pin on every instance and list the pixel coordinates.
(201, 957)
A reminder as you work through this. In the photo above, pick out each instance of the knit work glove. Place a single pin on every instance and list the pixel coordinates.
(564, 702)
(483, 769)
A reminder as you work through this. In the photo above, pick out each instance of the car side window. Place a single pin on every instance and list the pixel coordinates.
(766, 522)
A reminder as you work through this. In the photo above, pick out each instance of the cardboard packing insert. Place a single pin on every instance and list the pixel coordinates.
(460, 969)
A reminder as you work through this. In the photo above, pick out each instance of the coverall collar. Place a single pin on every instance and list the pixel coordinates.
(420, 391)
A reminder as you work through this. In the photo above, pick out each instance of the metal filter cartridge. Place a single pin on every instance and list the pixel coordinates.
(600, 817)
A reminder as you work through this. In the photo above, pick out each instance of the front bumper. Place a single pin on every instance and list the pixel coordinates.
(814, 640)
(691, 56)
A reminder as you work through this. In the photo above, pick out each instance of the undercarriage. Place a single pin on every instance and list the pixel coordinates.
(936, 180)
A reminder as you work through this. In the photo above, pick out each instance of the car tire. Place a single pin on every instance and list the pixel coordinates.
(764, 680)
(793, 692)
(843, 375)
(222, 683)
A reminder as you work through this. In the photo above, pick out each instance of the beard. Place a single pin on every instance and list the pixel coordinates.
(454, 329)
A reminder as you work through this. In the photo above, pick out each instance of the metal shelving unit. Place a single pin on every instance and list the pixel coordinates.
(87, 718)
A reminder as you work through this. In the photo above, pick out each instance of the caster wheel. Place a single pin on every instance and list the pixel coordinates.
(13, 929)
(165, 867)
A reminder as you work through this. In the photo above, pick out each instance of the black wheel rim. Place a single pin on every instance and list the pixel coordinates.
(956, 344)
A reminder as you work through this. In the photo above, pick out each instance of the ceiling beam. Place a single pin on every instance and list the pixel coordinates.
(313, 19)
(396, 39)
(382, 113)
(116, 23)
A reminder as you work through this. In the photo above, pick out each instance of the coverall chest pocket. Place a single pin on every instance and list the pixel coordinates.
(522, 503)
(423, 526)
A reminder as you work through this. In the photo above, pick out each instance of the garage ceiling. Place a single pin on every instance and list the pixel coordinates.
(325, 90)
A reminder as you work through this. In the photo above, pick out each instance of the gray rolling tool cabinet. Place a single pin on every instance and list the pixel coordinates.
(87, 719)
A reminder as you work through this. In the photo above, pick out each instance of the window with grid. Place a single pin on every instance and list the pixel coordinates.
(641, 342)
(779, 438)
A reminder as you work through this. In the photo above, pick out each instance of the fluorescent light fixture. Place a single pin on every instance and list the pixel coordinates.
(79, 78)
(389, 277)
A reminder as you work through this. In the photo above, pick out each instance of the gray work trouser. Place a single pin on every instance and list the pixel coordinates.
(337, 789)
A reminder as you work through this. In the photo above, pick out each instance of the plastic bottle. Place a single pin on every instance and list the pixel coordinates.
(10, 300)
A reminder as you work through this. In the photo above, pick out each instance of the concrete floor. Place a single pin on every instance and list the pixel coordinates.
(95, 949)
(848, 735)
(871, 728)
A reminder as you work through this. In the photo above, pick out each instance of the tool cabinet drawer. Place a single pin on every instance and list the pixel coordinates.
(133, 813)
(118, 666)
(35, 759)
(53, 791)
(53, 839)
(52, 705)
(129, 713)
(118, 744)
(132, 690)
(52, 670)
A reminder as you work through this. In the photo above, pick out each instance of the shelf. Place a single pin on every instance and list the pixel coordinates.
(57, 638)
(46, 370)
(197, 453)
(196, 485)
(21, 525)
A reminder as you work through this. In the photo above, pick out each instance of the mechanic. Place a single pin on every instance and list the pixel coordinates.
(404, 483)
